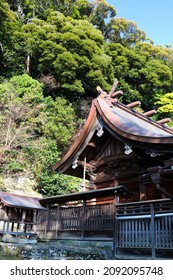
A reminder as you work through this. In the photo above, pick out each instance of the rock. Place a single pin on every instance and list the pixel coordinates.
(19, 183)
(61, 250)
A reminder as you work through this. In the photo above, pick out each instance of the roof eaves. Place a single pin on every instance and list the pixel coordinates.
(80, 143)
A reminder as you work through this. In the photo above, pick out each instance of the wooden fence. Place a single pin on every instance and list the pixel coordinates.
(144, 227)
(81, 221)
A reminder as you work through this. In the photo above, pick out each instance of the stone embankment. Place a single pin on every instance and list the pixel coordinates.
(58, 250)
(19, 183)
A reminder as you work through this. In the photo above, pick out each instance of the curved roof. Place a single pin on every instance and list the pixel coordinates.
(132, 128)
(132, 125)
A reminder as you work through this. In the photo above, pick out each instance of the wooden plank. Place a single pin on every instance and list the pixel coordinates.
(158, 232)
(144, 233)
(133, 234)
(170, 221)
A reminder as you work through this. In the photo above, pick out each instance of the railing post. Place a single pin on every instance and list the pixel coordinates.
(115, 234)
(152, 232)
(47, 221)
(58, 220)
(83, 218)
(35, 213)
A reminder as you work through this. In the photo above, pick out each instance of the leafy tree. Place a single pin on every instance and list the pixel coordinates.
(69, 50)
(20, 101)
(27, 10)
(59, 121)
(71, 47)
(5, 12)
(9, 55)
(143, 71)
(101, 13)
(127, 33)
(165, 106)
(48, 182)
(33, 132)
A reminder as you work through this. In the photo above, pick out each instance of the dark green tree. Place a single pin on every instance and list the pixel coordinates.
(71, 51)
(33, 132)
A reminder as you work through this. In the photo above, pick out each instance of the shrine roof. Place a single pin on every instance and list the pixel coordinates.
(121, 121)
(20, 201)
(130, 124)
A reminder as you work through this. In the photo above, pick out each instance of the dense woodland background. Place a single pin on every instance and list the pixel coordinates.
(53, 55)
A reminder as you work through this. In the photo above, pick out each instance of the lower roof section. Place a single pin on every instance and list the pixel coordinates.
(85, 195)
(20, 201)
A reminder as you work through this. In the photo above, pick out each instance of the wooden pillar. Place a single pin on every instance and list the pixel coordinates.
(115, 226)
(47, 221)
(9, 217)
(83, 219)
(23, 227)
(58, 221)
(12, 226)
(4, 222)
(152, 232)
(35, 220)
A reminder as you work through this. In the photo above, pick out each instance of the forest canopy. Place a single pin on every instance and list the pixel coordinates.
(53, 55)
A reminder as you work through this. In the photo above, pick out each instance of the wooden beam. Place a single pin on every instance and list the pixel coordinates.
(134, 104)
(150, 113)
(115, 84)
(163, 121)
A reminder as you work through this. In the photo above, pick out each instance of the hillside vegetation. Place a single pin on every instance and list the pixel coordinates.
(53, 55)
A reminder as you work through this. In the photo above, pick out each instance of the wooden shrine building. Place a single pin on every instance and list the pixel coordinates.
(120, 147)
(18, 217)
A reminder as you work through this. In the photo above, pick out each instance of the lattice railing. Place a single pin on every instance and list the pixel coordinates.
(93, 217)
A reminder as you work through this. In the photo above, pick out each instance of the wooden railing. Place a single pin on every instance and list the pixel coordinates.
(144, 225)
(137, 226)
(15, 223)
(76, 219)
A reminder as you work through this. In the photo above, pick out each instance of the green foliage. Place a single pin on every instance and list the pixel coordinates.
(67, 49)
(165, 105)
(53, 55)
(54, 184)
(27, 9)
(59, 121)
(21, 103)
(127, 33)
(101, 13)
(49, 182)
(5, 12)
(9, 52)
(143, 71)
(33, 131)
